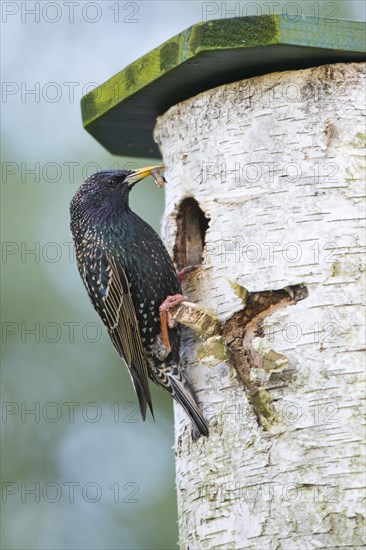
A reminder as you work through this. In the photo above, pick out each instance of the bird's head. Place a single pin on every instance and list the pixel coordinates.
(109, 189)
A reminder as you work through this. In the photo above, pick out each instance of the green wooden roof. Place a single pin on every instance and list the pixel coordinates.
(121, 113)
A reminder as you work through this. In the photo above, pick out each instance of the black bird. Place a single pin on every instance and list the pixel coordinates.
(129, 275)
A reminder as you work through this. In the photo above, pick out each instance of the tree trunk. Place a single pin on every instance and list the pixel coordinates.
(275, 164)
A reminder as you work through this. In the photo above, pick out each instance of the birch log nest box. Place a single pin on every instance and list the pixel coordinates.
(260, 124)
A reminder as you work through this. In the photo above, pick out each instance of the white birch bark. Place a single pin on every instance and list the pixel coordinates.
(276, 162)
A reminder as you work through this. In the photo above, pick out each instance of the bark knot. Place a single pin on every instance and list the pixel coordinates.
(232, 339)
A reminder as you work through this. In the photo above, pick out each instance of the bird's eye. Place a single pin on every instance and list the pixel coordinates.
(111, 182)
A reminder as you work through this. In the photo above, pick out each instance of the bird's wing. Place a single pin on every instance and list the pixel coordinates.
(108, 288)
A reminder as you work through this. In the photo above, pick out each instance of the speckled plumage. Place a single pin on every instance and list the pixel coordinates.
(128, 273)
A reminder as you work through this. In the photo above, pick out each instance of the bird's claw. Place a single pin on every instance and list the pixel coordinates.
(165, 317)
(182, 274)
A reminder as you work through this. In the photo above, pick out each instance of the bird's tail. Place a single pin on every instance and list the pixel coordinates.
(172, 379)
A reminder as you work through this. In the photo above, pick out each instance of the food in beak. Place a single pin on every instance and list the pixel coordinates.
(157, 177)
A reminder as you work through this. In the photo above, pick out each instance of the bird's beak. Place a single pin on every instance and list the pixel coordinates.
(141, 173)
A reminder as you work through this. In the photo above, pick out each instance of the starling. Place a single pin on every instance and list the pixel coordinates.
(132, 282)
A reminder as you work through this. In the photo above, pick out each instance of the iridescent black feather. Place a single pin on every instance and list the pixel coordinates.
(128, 273)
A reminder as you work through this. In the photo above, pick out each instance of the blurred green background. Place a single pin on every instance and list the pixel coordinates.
(79, 468)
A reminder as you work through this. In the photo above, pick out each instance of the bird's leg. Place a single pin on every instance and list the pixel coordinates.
(165, 317)
(183, 273)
